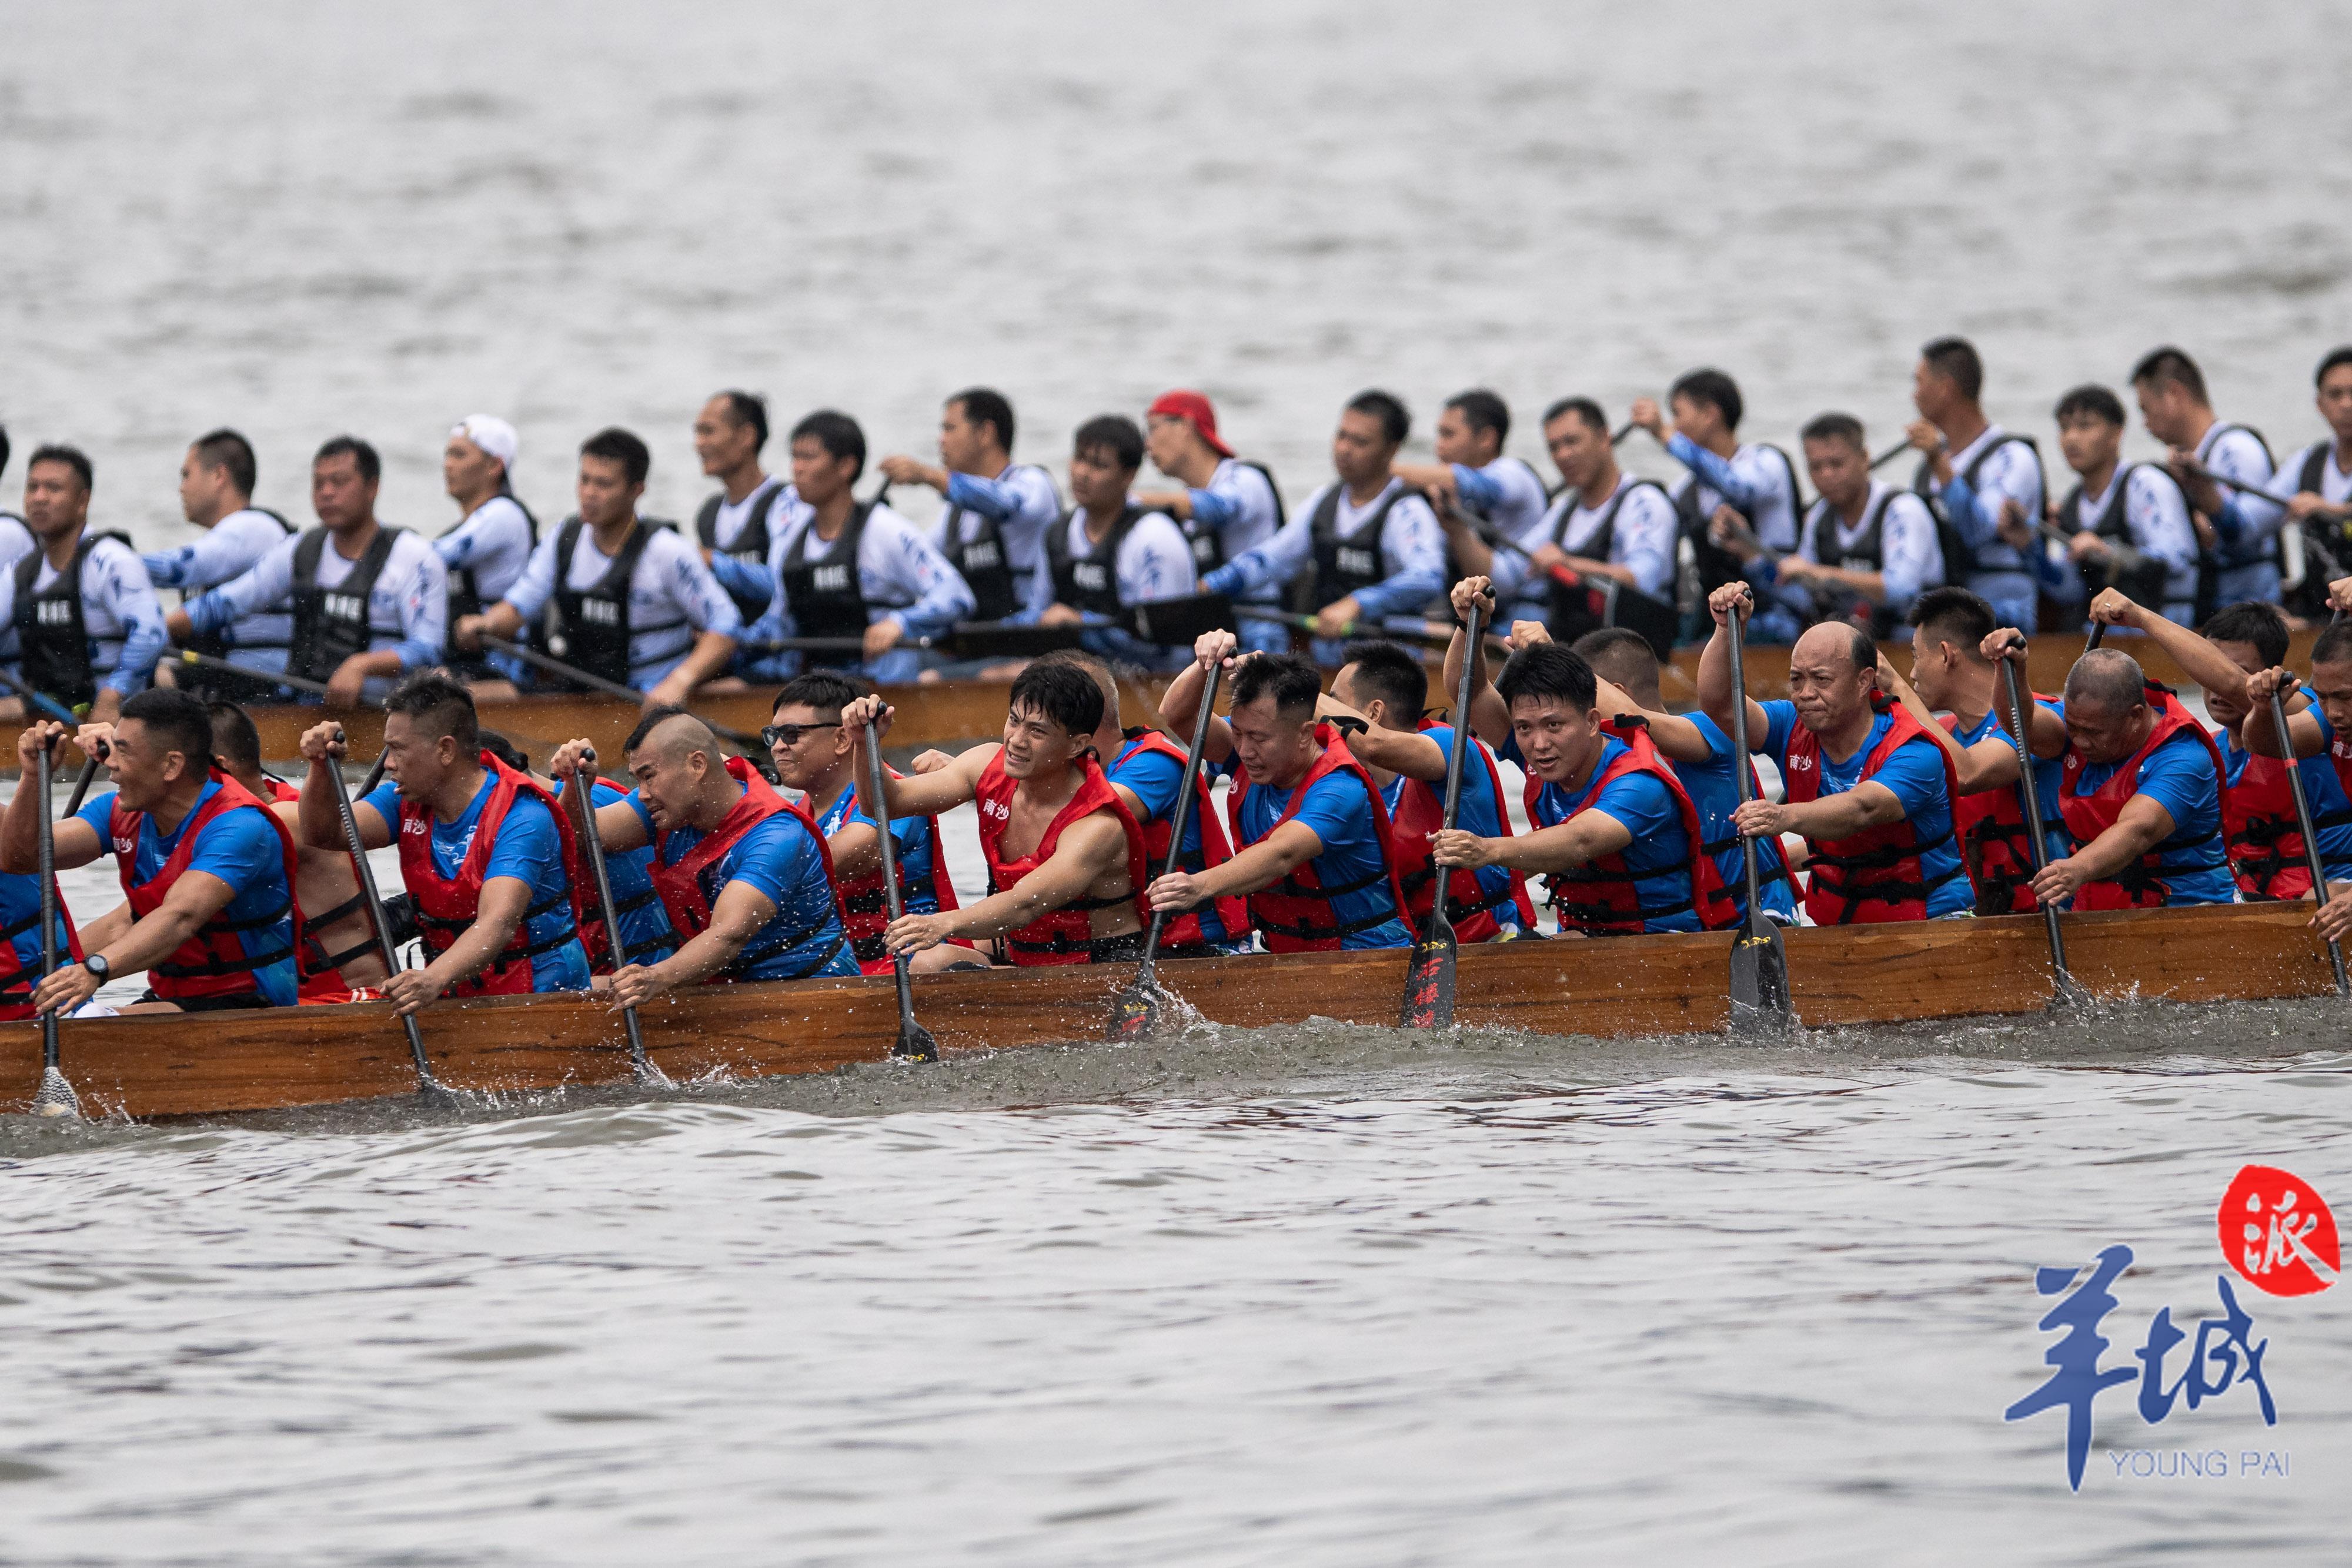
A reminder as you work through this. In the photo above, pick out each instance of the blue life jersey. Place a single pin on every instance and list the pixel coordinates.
(528, 850)
(2179, 777)
(1156, 777)
(1480, 812)
(1337, 810)
(241, 850)
(1713, 787)
(20, 919)
(1915, 775)
(911, 839)
(644, 923)
(2049, 772)
(781, 860)
(2331, 808)
(1659, 857)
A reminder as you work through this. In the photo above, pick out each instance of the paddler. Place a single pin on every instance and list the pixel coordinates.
(492, 872)
(2247, 561)
(1732, 491)
(216, 480)
(1868, 549)
(1472, 474)
(369, 603)
(634, 602)
(2141, 793)
(1374, 543)
(992, 529)
(816, 754)
(1111, 553)
(87, 623)
(644, 923)
(2312, 733)
(15, 539)
(743, 872)
(1065, 861)
(1312, 852)
(208, 870)
(484, 551)
(849, 569)
(2316, 482)
(2129, 521)
(1229, 506)
(1864, 783)
(735, 527)
(1983, 483)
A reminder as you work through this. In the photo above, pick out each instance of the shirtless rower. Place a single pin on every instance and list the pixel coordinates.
(88, 628)
(1312, 852)
(1064, 855)
(1983, 485)
(493, 875)
(1733, 491)
(2246, 553)
(736, 527)
(2141, 793)
(1374, 543)
(743, 872)
(2330, 713)
(815, 754)
(2129, 521)
(216, 480)
(1111, 553)
(208, 870)
(992, 529)
(2316, 482)
(1865, 783)
(487, 548)
(1229, 506)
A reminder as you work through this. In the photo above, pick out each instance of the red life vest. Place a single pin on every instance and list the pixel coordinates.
(2263, 838)
(1994, 843)
(1294, 914)
(321, 980)
(865, 902)
(2142, 885)
(17, 977)
(1184, 931)
(1063, 935)
(1609, 894)
(213, 962)
(448, 905)
(1420, 811)
(281, 794)
(1878, 874)
(680, 886)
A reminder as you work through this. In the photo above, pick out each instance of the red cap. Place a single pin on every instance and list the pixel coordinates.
(1194, 410)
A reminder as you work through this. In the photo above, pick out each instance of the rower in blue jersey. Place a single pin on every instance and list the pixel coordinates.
(78, 611)
(216, 480)
(645, 924)
(1229, 506)
(1473, 476)
(992, 528)
(1737, 499)
(2248, 561)
(1983, 483)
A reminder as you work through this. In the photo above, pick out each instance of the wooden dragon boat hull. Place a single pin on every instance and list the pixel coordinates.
(182, 1065)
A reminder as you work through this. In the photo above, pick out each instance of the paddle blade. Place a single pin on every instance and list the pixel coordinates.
(1760, 999)
(1429, 983)
(1136, 1013)
(915, 1043)
(55, 1097)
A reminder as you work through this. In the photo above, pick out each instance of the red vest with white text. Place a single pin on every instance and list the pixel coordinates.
(213, 962)
(1063, 935)
(1294, 914)
(446, 906)
(2141, 885)
(1878, 874)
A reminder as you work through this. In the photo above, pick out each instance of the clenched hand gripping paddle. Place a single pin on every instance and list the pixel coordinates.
(1429, 980)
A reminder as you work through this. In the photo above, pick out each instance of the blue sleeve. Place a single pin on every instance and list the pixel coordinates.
(1155, 777)
(1915, 774)
(240, 849)
(741, 577)
(2179, 777)
(98, 813)
(1971, 523)
(991, 499)
(1712, 471)
(1334, 808)
(1780, 726)
(773, 859)
(386, 799)
(1480, 490)
(527, 848)
(1641, 804)
(1210, 510)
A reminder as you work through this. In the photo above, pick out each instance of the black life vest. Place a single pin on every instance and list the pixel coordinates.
(1209, 544)
(594, 629)
(751, 546)
(1868, 552)
(1717, 565)
(52, 639)
(2326, 540)
(2210, 563)
(1089, 581)
(1344, 567)
(465, 590)
(824, 595)
(331, 624)
(1573, 612)
(1959, 560)
(976, 549)
(2138, 577)
(222, 684)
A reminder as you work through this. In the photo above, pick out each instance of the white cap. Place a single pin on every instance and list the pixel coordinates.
(492, 434)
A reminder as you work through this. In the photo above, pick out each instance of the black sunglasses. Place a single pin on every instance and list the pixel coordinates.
(776, 735)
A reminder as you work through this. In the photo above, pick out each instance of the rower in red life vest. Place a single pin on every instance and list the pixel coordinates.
(743, 872)
(2315, 733)
(493, 874)
(1314, 859)
(1382, 690)
(1864, 783)
(816, 754)
(208, 872)
(1065, 861)
(2141, 793)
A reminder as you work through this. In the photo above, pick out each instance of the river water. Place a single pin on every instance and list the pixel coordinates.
(1313, 1296)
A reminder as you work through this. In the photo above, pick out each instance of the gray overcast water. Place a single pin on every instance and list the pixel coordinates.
(1317, 1296)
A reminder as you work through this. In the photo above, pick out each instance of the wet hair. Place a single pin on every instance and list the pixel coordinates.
(614, 445)
(1712, 387)
(1584, 408)
(751, 409)
(505, 750)
(1956, 360)
(1956, 616)
(235, 741)
(820, 691)
(2336, 358)
(1111, 434)
(362, 455)
(2169, 364)
(2334, 644)
(2107, 677)
(984, 406)
(1549, 670)
(1291, 681)
(73, 457)
(1062, 693)
(653, 721)
(1396, 423)
(437, 706)
(1621, 649)
(1395, 676)
(1836, 427)
(2089, 402)
(1484, 410)
(1097, 669)
(838, 434)
(2251, 620)
(224, 448)
(178, 720)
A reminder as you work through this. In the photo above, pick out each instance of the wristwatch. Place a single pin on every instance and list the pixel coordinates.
(97, 964)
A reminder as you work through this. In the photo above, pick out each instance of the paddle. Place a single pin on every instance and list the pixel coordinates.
(2310, 836)
(1136, 1013)
(267, 677)
(33, 699)
(82, 785)
(2098, 635)
(1760, 996)
(2199, 471)
(1617, 437)
(1890, 454)
(1170, 622)
(55, 1097)
(584, 786)
(1431, 638)
(554, 666)
(914, 1042)
(1429, 979)
(426, 1085)
(2064, 992)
